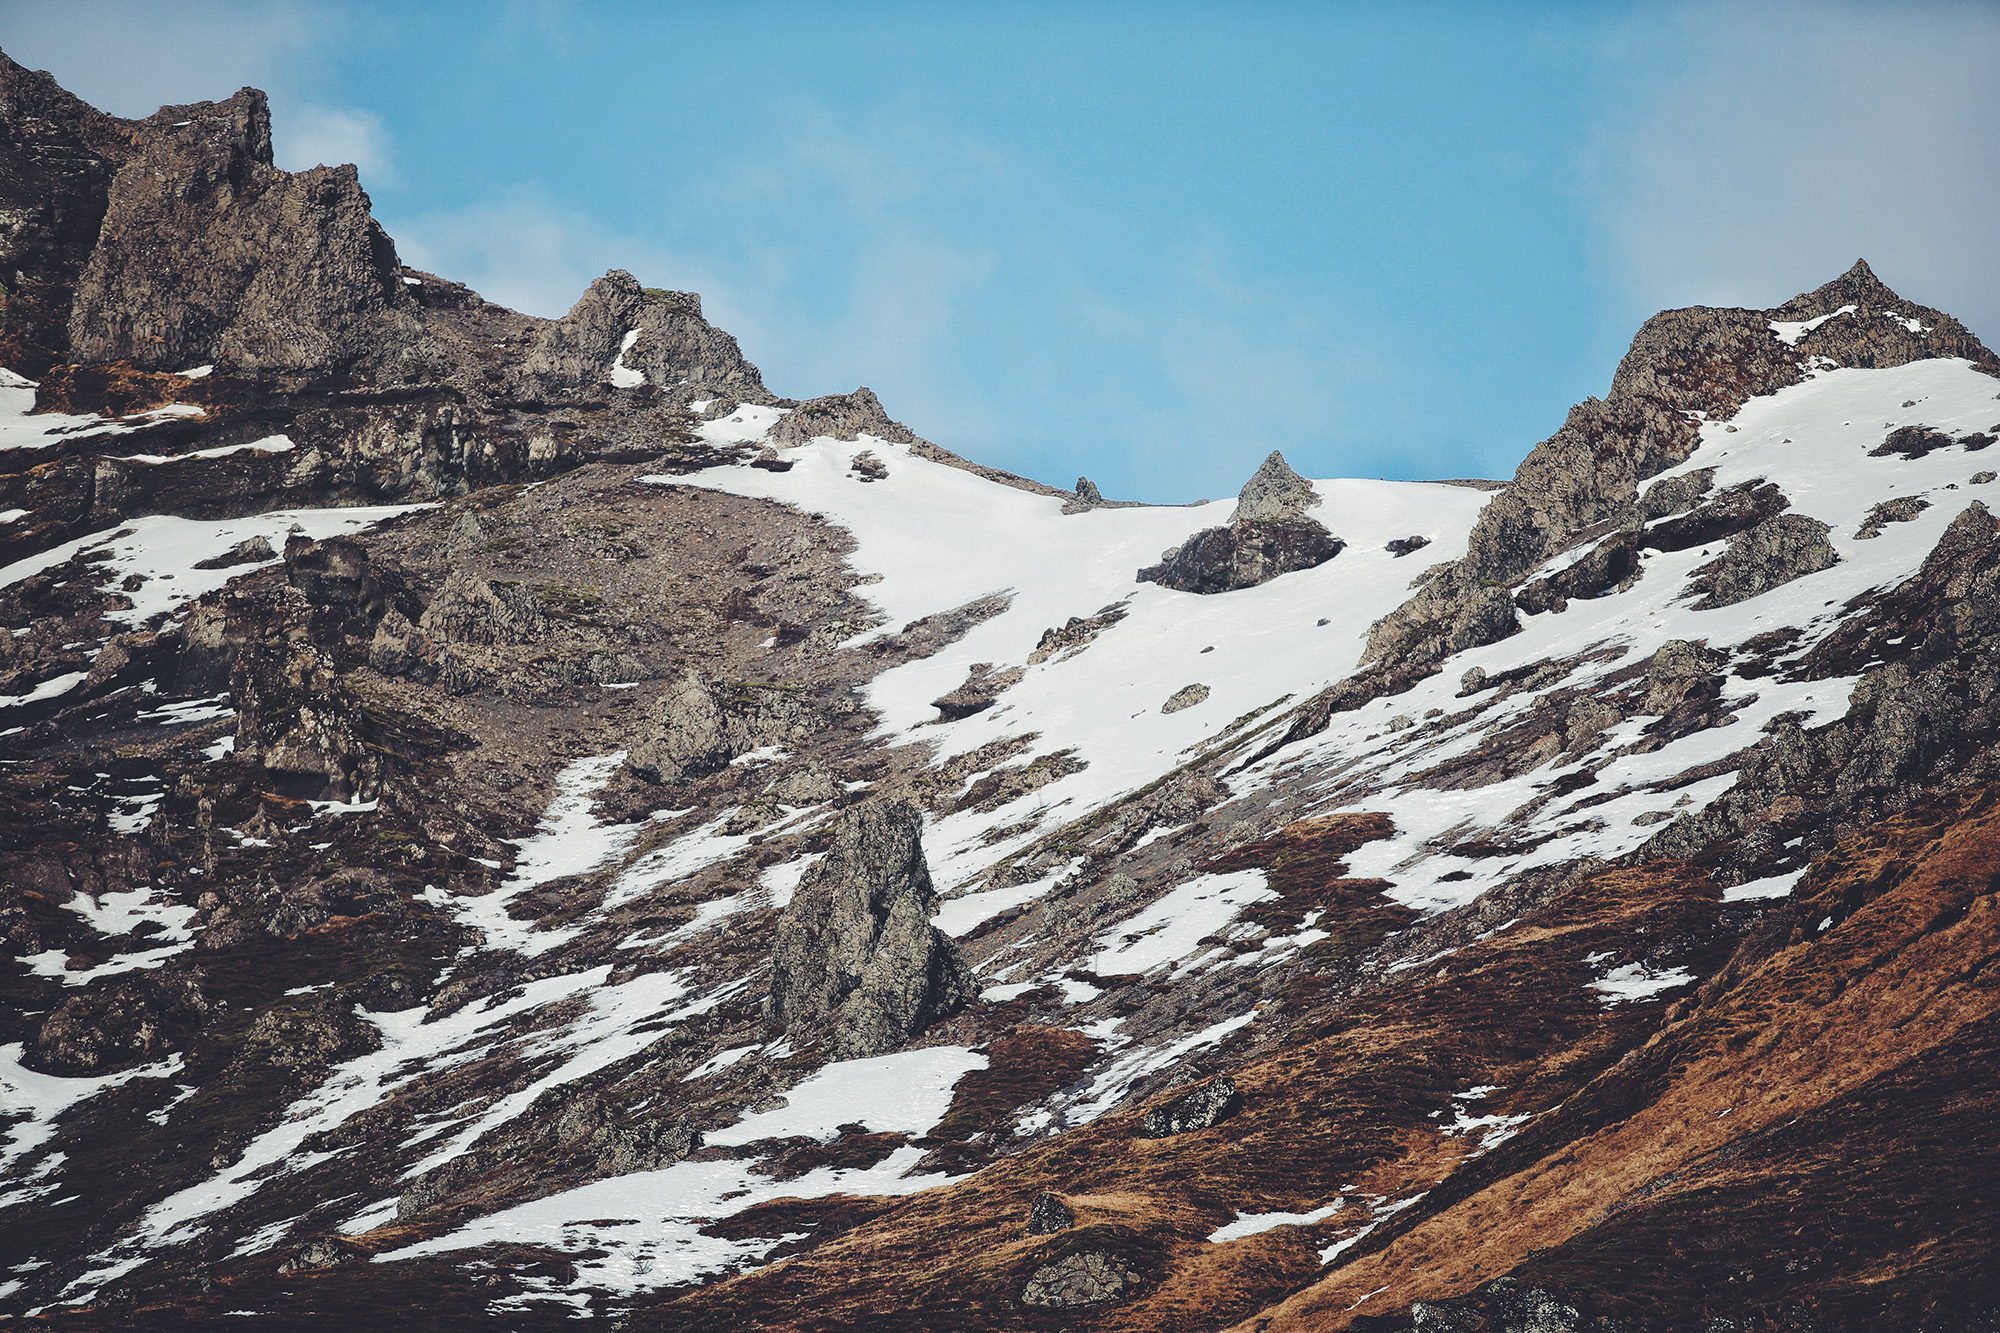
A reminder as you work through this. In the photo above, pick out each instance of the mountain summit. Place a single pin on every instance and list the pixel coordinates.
(511, 820)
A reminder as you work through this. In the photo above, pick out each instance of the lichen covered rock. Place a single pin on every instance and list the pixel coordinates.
(1088, 1278)
(1048, 1214)
(857, 962)
(1208, 1105)
(1767, 556)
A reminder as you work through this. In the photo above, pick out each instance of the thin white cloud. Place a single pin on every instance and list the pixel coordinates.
(1788, 140)
(131, 57)
(304, 135)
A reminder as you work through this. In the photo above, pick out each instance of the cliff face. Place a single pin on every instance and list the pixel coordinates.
(210, 255)
(507, 818)
(57, 160)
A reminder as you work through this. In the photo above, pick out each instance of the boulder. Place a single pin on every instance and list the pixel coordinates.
(1768, 556)
(1187, 696)
(1088, 1278)
(1048, 1214)
(1268, 535)
(697, 727)
(857, 962)
(1207, 1105)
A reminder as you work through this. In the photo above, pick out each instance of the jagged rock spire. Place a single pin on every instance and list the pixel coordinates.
(1274, 494)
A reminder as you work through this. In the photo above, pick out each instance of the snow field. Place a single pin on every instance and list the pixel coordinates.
(656, 1239)
(940, 537)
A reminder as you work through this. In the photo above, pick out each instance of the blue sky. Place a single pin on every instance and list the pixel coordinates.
(1144, 242)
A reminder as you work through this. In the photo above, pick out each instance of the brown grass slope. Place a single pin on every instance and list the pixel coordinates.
(1806, 1138)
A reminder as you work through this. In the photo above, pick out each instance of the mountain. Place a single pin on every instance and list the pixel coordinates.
(510, 820)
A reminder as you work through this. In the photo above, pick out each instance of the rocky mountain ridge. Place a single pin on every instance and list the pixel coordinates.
(512, 820)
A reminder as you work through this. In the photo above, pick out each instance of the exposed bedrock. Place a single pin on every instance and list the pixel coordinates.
(697, 727)
(1683, 367)
(1923, 714)
(210, 254)
(57, 159)
(840, 416)
(657, 335)
(857, 963)
(1268, 535)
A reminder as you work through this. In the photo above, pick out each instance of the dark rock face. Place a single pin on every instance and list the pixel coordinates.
(1048, 1214)
(1767, 556)
(57, 159)
(1243, 556)
(106, 1030)
(1208, 1105)
(857, 962)
(209, 254)
(670, 346)
(841, 416)
(1089, 1278)
(1268, 535)
(322, 1252)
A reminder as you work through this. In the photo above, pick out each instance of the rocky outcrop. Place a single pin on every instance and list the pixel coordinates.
(982, 687)
(1923, 707)
(1268, 535)
(840, 416)
(1206, 1106)
(1048, 1214)
(1683, 367)
(1274, 494)
(57, 160)
(210, 254)
(1087, 1278)
(621, 334)
(698, 726)
(1759, 559)
(1902, 509)
(107, 1029)
(1187, 696)
(857, 963)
